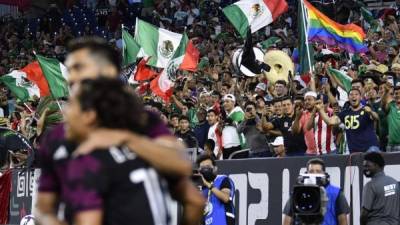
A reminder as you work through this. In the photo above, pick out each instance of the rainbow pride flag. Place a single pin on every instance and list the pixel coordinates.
(322, 29)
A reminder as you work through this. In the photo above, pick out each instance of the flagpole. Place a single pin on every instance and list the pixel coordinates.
(30, 110)
(59, 106)
(306, 35)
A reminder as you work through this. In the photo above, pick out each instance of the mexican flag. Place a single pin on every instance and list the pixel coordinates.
(130, 48)
(144, 72)
(269, 42)
(18, 83)
(156, 42)
(237, 115)
(34, 73)
(255, 14)
(163, 84)
(343, 79)
(56, 76)
(191, 58)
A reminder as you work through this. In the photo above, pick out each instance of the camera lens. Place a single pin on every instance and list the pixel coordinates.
(306, 199)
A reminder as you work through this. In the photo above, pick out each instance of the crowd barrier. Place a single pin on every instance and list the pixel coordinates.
(262, 185)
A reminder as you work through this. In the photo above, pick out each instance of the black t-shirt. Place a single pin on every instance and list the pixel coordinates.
(116, 181)
(294, 143)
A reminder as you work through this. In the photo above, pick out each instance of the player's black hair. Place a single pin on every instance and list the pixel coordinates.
(317, 161)
(116, 105)
(396, 88)
(376, 158)
(205, 157)
(98, 47)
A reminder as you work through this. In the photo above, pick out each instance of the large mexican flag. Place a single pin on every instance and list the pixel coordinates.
(156, 42)
(56, 76)
(255, 14)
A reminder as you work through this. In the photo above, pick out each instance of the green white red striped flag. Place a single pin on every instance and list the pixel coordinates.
(20, 86)
(56, 76)
(163, 84)
(255, 14)
(156, 42)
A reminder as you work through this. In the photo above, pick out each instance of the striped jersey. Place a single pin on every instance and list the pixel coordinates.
(323, 134)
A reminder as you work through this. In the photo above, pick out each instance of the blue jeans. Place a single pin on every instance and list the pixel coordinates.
(374, 149)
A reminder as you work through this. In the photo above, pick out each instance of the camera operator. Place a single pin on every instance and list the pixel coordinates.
(337, 207)
(219, 192)
(251, 127)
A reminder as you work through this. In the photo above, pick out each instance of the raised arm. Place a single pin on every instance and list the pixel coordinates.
(332, 121)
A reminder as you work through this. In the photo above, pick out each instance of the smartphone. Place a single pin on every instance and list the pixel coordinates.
(390, 79)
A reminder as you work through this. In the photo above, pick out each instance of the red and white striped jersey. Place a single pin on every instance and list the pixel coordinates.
(323, 133)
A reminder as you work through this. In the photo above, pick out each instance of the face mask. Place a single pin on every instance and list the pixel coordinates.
(208, 173)
(367, 173)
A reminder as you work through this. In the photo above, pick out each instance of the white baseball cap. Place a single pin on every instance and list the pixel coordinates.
(278, 141)
(229, 97)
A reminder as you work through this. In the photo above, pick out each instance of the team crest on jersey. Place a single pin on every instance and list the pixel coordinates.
(256, 10)
(166, 48)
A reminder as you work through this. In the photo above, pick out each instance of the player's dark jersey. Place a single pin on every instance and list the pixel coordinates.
(116, 181)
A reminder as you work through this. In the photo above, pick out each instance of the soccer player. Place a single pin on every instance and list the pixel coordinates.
(87, 58)
(113, 186)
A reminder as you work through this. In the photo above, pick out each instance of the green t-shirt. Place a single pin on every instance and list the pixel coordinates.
(394, 124)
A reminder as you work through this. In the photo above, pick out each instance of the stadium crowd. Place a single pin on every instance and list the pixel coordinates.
(217, 109)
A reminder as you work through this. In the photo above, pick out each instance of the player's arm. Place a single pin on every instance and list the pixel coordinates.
(164, 153)
(287, 220)
(342, 219)
(192, 201)
(90, 217)
(46, 206)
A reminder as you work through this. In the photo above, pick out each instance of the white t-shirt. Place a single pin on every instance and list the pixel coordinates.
(1, 112)
(230, 137)
(213, 136)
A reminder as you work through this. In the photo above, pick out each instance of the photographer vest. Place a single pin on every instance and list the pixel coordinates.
(215, 212)
(330, 217)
